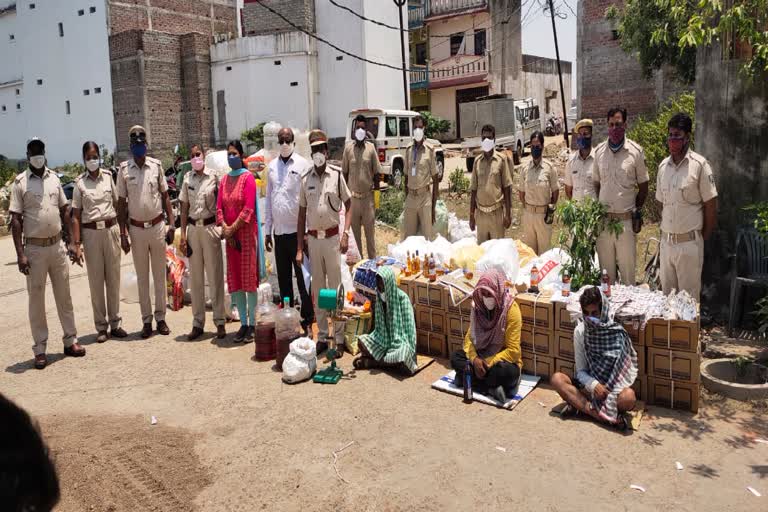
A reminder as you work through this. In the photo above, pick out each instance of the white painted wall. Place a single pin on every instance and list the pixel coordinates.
(440, 47)
(384, 87)
(67, 66)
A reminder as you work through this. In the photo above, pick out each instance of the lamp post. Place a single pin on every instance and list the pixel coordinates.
(400, 4)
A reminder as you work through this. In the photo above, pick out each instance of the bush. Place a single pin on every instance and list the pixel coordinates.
(391, 206)
(435, 126)
(255, 135)
(458, 183)
(651, 134)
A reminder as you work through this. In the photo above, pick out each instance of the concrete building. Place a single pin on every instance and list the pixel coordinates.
(278, 73)
(76, 70)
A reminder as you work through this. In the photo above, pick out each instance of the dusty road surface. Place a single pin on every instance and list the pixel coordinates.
(231, 437)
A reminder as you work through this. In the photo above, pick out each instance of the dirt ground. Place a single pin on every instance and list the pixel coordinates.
(230, 436)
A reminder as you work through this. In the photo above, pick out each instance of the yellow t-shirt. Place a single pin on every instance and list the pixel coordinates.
(511, 352)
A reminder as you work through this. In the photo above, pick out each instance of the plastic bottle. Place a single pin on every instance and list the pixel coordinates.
(287, 327)
(566, 283)
(408, 266)
(534, 279)
(432, 270)
(266, 339)
(468, 382)
(605, 284)
(416, 264)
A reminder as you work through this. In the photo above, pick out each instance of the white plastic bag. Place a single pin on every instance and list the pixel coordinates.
(346, 276)
(441, 248)
(301, 362)
(502, 255)
(129, 288)
(549, 265)
(458, 229)
(410, 244)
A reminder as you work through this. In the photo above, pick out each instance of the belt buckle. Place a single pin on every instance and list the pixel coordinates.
(147, 225)
(200, 222)
(321, 234)
(101, 224)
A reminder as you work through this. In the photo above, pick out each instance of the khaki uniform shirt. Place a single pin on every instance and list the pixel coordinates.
(423, 168)
(579, 175)
(199, 191)
(142, 188)
(489, 179)
(96, 197)
(539, 182)
(323, 196)
(619, 174)
(39, 202)
(683, 189)
(360, 165)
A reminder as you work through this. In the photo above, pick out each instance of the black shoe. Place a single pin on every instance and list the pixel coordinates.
(241, 334)
(196, 333)
(163, 328)
(146, 331)
(118, 333)
(249, 334)
(221, 332)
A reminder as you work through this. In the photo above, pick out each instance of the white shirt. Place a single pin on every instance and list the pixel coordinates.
(580, 354)
(283, 187)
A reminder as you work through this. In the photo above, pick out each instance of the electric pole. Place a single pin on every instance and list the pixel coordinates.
(400, 4)
(560, 75)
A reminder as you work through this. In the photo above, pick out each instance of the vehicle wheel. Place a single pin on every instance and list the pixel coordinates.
(440, 168)
(396, 178)
(470, 163)
(518, 156)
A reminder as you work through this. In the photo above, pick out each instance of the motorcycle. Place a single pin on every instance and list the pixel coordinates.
(554, 126)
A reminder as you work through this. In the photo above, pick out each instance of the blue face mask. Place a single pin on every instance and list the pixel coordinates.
(536, 151)
(235, 162)
(584, 142)
(592, 320)
(138, 150)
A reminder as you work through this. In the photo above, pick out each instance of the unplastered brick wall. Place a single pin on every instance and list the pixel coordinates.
(258, 20)
(173, 16)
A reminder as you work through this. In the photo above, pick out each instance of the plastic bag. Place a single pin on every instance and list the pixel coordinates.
(458, 229)
(346, 276)
(301, 362)
(549, 265)
(217, 162)
(466, 255)
(502, 255)
(411, 244)
(129, 288)
(441, 219)
(441, 248)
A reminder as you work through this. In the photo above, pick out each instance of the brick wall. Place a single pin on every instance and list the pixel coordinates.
(173, 16)
(258, 20)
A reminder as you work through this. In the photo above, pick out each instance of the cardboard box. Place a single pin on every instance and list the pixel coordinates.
(545, 311)
(408, 286)
(566, 367)
(563, 346)
(641, 361)
(431, 344)
(544, 366)
(464, 308)
(640, 387)
(563, 320)
(457, 325)
(674, 364)
(633, 327)
(672, 334)
(541, 342)
(432, 320)
(685, 396)
(454, 345)
(429, 294)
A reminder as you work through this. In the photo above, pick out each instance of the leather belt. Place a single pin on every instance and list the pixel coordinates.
(357, 195)
(322, 234)
(418, 191)
(200, 222)
(99, 224)
(148, 224)
(43, 242)
(532, 208)
(489, 209)
(679, 238)
(620, 216)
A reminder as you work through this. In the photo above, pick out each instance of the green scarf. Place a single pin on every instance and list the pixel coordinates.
(237, 172)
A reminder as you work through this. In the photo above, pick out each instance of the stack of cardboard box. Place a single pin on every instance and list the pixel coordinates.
(537, 338)
(430, 313)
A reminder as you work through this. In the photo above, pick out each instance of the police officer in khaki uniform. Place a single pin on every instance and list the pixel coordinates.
(421, 178)
(323, 193)
(143, 193)
(686, 188)
(491, 187)
(538, 189)
(39, 208)
(579, 181)
(361, 168)
(621, 179)
(201, 237)
(94, 222)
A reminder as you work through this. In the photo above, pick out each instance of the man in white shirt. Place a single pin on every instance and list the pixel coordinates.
(281, 214)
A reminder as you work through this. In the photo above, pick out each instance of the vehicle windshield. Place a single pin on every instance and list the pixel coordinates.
(371, 126)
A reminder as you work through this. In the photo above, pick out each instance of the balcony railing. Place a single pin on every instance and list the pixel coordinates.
(460, 68)
(419, 77)
(416, 16)
(442, 7)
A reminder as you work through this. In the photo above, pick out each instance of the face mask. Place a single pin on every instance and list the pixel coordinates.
(676, 146)
(418, 134)
(38, 162)
(235, 162)
(584, 142)
(360, 134)
(93, 164)
(616, 134)
(198, 163)
(490, 303)
(536, 151)
(138, 150)
(488, 145)
(592, 320)
(286, 149)
(318, 159)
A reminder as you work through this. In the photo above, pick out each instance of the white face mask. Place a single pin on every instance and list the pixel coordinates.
(418, 134)
(318, 159)
(490, 303)
(93, 164)
(360, 134)
(38, 162)
(488, 145)
(286, 149)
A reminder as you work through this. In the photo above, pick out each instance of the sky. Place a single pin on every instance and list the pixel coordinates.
(537, 33)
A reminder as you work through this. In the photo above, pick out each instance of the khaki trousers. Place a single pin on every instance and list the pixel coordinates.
(206, 259)
(417, 217)
(681, 266)
(537, 234)
(490, 226)
(102, 260)
(611, 250)
(325, 263)
(364, 215)
(50, 262)
(148, 247)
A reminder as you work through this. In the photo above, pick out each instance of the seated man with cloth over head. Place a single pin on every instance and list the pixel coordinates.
(606, 365)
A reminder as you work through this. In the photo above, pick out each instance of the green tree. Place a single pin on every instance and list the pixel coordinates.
(669, 31)
(255, 135)
(434, 125)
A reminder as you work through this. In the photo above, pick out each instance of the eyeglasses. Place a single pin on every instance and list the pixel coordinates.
(197, 154)
(284, 140)
(138, 137)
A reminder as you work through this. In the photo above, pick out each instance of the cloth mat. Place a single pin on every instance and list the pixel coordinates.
(527, 383)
